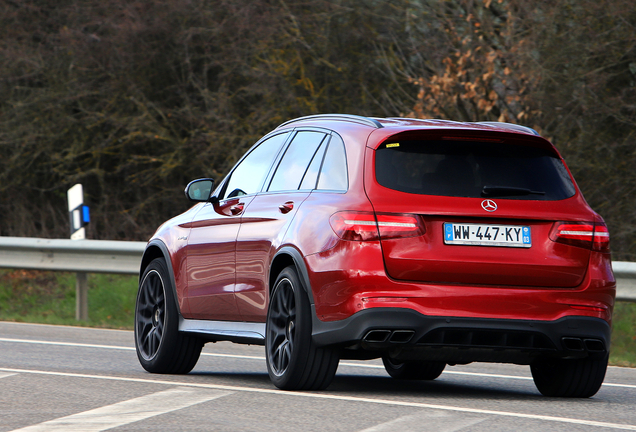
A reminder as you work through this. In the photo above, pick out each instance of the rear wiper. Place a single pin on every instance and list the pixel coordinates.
(494, 191)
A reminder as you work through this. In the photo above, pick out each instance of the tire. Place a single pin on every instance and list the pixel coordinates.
(160, 347)
(578, 378)
(293, 360)
(413, 370)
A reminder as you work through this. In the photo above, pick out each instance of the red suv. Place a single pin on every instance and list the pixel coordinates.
(421, 242)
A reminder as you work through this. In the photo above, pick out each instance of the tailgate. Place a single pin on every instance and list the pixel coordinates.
(487, 206)
(427, 258)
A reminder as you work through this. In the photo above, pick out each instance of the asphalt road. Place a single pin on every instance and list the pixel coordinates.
(55, 378)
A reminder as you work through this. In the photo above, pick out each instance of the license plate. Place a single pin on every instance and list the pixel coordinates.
(487, 235)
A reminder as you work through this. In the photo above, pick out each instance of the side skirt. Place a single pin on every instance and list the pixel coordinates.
(216, 331)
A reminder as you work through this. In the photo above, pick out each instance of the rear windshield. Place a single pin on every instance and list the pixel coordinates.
(472, 169)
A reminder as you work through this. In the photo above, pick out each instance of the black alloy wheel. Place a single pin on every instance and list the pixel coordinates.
(293, 360)
(151, 304)
(575, 378)
(160, 347)
(282, 327)
(413, 370)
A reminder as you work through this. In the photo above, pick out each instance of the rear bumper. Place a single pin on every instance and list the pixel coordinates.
(350, 278)
(405, 334)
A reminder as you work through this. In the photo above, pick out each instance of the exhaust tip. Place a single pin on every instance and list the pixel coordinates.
(377, 336)
(401, 336)
(594, 345)
(572, 344)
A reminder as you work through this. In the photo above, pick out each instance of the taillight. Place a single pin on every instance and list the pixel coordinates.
(355, 226)
(367, 226)
(588, 235)
(601, 238)
(399, 225)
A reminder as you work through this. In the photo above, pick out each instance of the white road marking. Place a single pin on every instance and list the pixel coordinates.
(328, 396)
(248, 357)
(72, 344)
(425, 421)
(114, 347)
(57, 326)
(5, 375)
(129, 411)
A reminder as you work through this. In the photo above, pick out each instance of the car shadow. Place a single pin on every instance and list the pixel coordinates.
(380, 386)
(439, 388)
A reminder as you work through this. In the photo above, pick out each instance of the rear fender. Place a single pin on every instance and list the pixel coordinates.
(286, 256)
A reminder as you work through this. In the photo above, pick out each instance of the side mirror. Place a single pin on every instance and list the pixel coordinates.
(200, 190)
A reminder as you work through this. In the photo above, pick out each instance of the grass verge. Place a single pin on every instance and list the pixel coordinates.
(49, 298)
(623, 351)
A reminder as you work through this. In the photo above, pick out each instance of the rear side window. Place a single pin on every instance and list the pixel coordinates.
(299, 154)
(472, 169)
(311, 176)
(333, 174)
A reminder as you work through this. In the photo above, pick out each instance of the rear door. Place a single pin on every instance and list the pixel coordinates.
(488, 205)
(268, 216)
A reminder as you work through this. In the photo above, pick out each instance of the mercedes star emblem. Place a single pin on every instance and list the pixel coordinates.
(489, 205)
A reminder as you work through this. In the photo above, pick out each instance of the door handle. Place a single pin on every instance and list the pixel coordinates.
(237, 209)
(287, 207)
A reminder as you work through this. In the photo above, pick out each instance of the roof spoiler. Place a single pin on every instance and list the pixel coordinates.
(511, 126)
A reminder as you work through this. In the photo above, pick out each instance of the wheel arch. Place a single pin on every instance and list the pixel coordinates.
(158, 249)
(285, 257)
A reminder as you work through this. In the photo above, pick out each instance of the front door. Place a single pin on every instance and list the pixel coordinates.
(211, 254)
(211, 257)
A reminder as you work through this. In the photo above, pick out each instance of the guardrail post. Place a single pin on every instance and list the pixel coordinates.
(81, 297)
(79, 217)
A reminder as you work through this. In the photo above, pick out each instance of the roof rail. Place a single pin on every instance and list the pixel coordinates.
(338, 117)
(411, 119)
(511, 126)
(421, 119)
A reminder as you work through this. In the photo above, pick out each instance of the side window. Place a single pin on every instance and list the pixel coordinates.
(249, 175)
(293, 165)
(311, 176)
(333, 175)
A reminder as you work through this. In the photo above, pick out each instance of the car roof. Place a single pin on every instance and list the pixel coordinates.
(398, 124)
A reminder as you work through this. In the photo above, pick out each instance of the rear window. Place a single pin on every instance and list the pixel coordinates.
(472, 169)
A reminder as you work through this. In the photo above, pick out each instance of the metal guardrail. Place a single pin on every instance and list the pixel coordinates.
(89, 256)
(108, 256)
(80, 256)
(625, 274)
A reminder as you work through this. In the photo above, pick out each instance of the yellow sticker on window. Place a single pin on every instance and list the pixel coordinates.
(392, 145)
